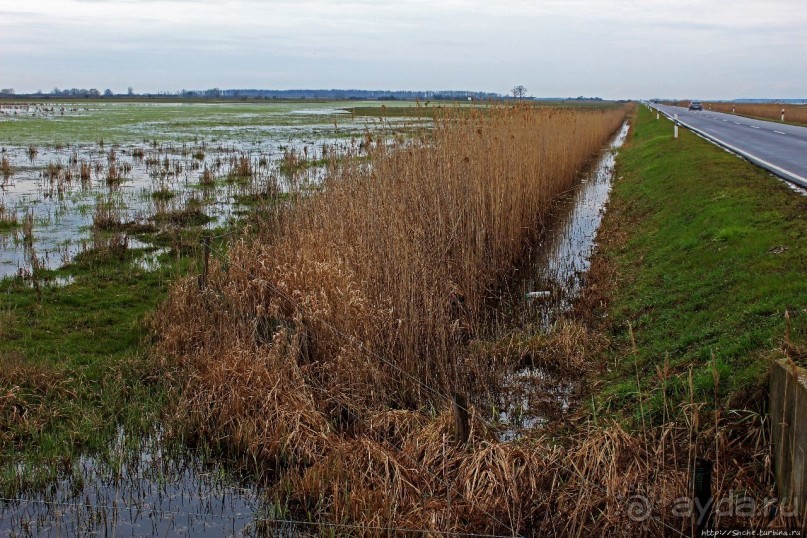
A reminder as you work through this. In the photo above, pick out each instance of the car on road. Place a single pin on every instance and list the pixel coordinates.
(695, 105)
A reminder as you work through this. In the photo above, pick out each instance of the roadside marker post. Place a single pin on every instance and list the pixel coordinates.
(675, 126)
(783, 115)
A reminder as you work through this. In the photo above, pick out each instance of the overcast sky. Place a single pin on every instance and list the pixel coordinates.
(611, 48)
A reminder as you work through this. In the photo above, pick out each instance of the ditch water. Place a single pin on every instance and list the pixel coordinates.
(559, 263)
(547, 286)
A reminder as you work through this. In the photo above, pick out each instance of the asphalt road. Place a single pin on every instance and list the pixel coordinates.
(779, 148)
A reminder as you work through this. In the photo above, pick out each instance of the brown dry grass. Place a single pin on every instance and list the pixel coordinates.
(8, 218)
(397, 260)
(5, 167)
(25, 391)
(320, 350)
(773, 111)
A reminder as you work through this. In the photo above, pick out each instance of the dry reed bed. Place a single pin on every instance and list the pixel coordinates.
(322, 349)
(319, 349)
(793, 113)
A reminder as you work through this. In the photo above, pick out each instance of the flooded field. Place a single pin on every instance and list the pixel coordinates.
(69, 170)
(151, 171)
(129, 189)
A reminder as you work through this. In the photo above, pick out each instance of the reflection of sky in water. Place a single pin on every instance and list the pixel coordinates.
(63, 213)
(558, 265)
(152, 494)
(562, 256)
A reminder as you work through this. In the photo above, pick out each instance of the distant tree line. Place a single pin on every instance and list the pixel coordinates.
(518, 92)
(338, 94)
(216, 93)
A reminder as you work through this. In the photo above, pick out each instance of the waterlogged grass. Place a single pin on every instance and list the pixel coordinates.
(73, 360)
(708, 254)
(393, 112)
(85, 122)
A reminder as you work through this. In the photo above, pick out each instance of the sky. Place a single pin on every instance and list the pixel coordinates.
(715, 49)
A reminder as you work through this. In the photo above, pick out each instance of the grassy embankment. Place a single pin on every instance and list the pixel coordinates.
(701, 255)
(708, 253)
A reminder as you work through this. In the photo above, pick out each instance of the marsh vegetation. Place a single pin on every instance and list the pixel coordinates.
(328, 348)
(381, 326)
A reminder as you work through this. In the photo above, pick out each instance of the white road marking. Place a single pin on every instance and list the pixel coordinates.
(780, 132)
(801, 180)
(737, 123)
(753, 127)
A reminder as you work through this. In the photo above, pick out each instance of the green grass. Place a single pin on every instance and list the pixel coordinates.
(708, 252)
(7, 225)
(80, 356)
(163, 194)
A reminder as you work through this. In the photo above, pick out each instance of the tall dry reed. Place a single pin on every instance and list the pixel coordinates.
(793, 113)
(322, 346)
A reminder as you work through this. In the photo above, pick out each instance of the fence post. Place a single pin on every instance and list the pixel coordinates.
(703, 495)
(460, 418)
(203, 276)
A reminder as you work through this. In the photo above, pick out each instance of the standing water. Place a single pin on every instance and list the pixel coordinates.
(547, 286)
(563, 256)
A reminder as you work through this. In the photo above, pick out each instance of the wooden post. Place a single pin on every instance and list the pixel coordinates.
(203, 276)
(461, 430)
(703, 495)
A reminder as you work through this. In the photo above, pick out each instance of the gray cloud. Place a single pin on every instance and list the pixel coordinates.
(613, 48)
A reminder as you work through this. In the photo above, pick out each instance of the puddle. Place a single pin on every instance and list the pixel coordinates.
(150, 260)
(546, 287)
(141, 491)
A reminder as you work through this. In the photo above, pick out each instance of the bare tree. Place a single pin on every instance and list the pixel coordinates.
(519, 92)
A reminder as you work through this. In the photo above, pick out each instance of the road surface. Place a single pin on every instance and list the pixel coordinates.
(779, 148)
